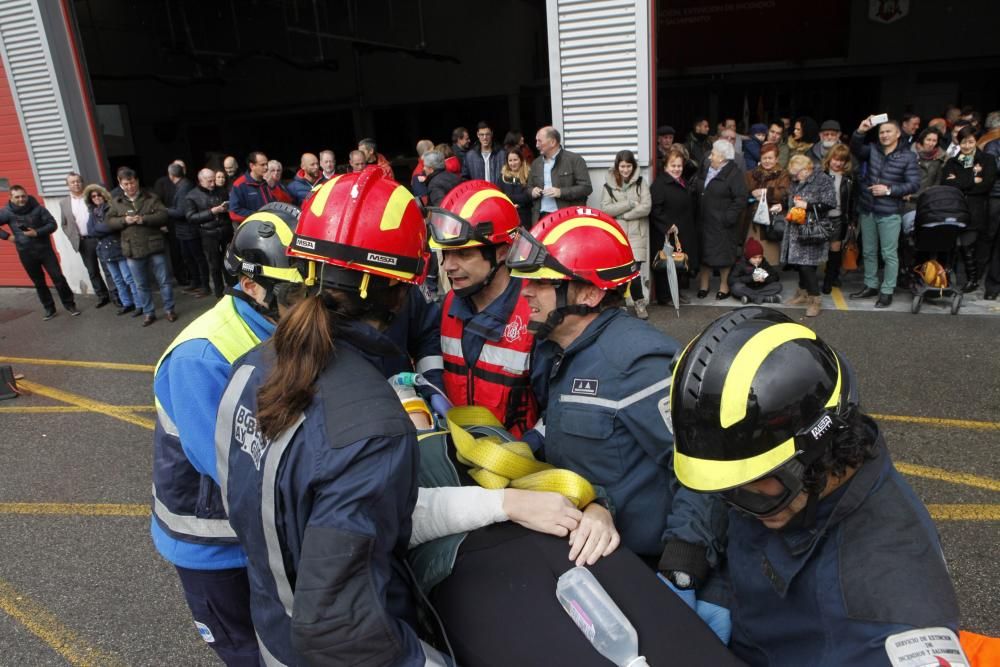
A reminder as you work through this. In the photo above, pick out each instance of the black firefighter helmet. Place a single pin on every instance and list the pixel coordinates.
(756, 395)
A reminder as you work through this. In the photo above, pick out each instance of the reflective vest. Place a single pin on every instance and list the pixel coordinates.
(186, 504)
(501, 378)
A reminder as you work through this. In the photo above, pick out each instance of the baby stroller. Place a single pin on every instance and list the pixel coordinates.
(942, 214)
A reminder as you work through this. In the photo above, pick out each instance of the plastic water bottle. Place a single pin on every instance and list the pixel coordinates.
(599, 618)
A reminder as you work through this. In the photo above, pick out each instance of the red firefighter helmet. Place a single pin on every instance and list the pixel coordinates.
(575, 243)
(474, 213)
(363, 224)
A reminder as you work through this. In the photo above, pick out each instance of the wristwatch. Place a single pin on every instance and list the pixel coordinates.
(681, 580)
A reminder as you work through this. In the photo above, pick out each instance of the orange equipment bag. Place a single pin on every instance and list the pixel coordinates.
(981, 651)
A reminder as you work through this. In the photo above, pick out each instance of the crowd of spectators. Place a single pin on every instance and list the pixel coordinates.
(713, 194)
(718, 192)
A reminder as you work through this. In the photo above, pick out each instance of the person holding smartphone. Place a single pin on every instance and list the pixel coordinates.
(31, 225)
(207, 206)
(891, 175)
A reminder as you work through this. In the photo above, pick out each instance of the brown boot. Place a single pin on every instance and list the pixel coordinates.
(801, 296)
(813, 306)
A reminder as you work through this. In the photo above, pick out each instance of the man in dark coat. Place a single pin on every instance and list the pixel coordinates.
(205, 210)
(439, 181)
(186, 234)
(891, 175)
(560, 179)
(486, 159)
(32, 225)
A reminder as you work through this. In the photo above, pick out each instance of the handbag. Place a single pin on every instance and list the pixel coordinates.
(850, 252)
(776, 230)
(816, 229)
(677, 255)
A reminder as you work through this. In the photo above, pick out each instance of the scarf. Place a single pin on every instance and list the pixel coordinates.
(965, 160)
(930, 155)
(797, 146)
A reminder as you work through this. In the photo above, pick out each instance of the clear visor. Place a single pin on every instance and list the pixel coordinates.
(526, 254)
(446, 228)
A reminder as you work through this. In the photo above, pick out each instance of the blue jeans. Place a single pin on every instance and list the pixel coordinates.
(127, 291)
(161, 271)
(881, 232)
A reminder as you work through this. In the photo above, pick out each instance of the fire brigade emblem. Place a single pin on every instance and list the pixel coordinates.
(514, 329)
(251, 440)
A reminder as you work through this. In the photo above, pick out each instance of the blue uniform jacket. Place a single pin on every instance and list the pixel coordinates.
(830, 596)
(189, 386)
(323, 511)
(604, 401)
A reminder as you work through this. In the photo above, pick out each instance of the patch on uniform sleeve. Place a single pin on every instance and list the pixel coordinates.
(251, 440)
(205, 633)
(925, 647)
(584, 387)
(663, 405)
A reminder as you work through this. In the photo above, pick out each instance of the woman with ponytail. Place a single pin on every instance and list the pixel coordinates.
(317, 459)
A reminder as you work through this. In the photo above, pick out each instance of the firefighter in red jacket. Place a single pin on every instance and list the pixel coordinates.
(484, 327)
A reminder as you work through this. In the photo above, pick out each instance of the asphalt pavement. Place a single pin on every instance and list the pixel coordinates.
(80, 582)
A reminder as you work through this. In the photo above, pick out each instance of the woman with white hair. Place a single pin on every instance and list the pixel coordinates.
(814, 192)
(722, 195)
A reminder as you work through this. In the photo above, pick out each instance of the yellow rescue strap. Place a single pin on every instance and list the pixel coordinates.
(495, 464)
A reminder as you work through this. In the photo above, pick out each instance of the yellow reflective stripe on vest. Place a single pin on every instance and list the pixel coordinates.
(497, 465)
(221, 326)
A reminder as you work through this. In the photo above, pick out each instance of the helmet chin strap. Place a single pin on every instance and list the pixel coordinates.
(543, 330)
(491, 257)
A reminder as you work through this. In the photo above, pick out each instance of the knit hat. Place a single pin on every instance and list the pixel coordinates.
(752, 248)
(758, 128)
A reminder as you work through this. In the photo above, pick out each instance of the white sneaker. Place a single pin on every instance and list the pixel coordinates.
(640, 311)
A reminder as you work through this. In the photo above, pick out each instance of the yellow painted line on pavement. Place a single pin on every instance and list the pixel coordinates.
(963, 478)
(105, 365)
(971, 424)
(41, 623)
(46, 409)
(838, 299)
(76, 509)
(964, 512)
(88, 404)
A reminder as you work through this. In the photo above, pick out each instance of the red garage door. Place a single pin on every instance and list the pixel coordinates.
(15, 169)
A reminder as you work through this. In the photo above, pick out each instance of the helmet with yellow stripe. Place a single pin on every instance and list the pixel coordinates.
(757, 395)
(364, 231)
(474, 213)
(259, 247)
(259, 251)
(575, 243)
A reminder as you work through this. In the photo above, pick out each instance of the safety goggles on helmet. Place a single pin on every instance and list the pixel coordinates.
(450, 230)
(810, 443)
(528, 255)
(762, 505)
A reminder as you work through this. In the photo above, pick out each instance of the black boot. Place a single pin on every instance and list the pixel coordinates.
(831, 278)
(971, 270)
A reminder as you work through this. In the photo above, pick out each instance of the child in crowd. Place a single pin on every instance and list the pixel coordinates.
(752, 279)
